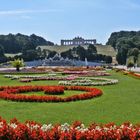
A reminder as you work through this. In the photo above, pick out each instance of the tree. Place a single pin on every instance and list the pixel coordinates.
(127, 43)
(51, 54)
(67, 54)
(1, 51)
(92, 49)
(130, 65)
(17, 63)
(130, 62)
(108, 59)
(134, 52)
(44, 53)
(30, 55)
(138, 61)
(81, 52)
(122, 55)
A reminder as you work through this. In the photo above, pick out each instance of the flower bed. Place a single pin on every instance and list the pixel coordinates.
(131, 73)
(25, 80)
(89, 82)
(54, 90)
(75, 72)
(31, 130)
(40, 78)
(14, 93)
(96, 73)
(134, 74)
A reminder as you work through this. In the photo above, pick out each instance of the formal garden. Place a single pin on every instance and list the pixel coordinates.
(69, 103)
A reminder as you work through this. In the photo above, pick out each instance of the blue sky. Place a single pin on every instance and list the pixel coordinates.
(65, 19)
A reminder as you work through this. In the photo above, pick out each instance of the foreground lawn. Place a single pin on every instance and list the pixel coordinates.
(119, 103)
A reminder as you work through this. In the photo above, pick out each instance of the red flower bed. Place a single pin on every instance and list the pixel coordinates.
(14, 93)
(31, 130)
(54, 90)
(134, 74)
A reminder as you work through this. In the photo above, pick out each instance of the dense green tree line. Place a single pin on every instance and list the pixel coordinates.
(127, 44)
(19, 42)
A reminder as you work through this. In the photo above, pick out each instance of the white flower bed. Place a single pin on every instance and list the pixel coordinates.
(41, 77)
(89, 82)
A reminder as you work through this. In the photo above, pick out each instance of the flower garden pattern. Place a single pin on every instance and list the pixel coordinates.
(89, 82)
(15, 93)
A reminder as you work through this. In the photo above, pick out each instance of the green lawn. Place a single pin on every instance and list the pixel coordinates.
(66, 93)
(119, 103)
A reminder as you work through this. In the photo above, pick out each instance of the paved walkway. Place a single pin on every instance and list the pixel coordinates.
(137, 69)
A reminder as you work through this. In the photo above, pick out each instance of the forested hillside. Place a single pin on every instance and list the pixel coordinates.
(127, 44)
(17, 43)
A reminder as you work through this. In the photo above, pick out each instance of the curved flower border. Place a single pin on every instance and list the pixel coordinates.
(29, 78)
(13, 93)
(89, 82)
(77, 131)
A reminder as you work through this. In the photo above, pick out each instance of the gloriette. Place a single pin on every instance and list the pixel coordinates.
(78, 41)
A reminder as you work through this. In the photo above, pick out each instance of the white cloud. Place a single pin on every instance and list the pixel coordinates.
(20, 12)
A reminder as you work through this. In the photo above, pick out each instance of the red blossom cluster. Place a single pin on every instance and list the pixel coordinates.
(134, 74)
(125, 72)
(54, 90)
(15, 93)
(31, 130)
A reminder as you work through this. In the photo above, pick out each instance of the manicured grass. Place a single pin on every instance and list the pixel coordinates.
(66, 93)
(119, 103)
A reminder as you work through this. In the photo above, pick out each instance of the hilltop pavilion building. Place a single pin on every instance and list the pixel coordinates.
(78, 41)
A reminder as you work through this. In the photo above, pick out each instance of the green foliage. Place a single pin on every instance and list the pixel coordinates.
(138, 61)
(134, 52)
(130, 61)
(30, 55)
(92, 49)
(18, 43)
(51, 54)
(68, 54)
(80, 53)
(1, 51)
(127, 43)
(17, 63)
(108, 59)
(2, 56)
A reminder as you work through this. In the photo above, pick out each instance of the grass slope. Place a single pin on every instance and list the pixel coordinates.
(101, 49)
(119, 103)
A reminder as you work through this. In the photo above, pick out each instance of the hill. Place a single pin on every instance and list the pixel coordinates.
(101, 49)
(17, 43)
(127, 44)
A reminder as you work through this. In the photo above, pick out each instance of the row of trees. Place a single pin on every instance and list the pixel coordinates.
(77, 53)
(80, 53)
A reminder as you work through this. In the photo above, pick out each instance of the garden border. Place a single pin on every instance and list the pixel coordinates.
(12, 93)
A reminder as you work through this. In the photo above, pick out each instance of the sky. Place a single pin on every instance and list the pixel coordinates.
(65, 19)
